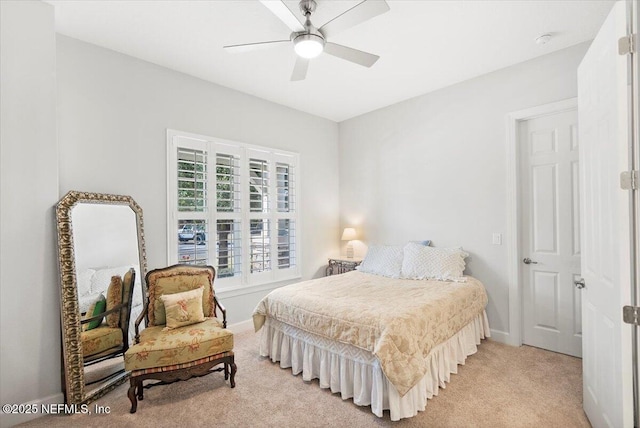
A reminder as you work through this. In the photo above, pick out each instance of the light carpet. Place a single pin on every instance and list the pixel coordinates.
(500, 386)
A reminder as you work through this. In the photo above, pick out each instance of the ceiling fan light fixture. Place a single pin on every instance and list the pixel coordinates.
(309, 41)
(308, 45)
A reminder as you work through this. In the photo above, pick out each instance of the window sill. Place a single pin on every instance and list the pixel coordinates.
(224, 292)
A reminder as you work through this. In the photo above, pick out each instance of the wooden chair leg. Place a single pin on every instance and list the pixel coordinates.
(140, 391)
(226, 371)
(131, 393)
(233, 372)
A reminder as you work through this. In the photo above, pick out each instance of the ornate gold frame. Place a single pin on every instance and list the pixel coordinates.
(73, 366)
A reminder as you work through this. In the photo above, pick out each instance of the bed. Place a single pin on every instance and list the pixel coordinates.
(388, 343)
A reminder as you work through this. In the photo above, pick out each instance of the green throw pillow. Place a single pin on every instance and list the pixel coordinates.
(96, 308)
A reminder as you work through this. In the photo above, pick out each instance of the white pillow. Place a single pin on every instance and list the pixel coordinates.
(85, 301)
(383, 260)
(422, 262)
(102, 277)
(84, 281)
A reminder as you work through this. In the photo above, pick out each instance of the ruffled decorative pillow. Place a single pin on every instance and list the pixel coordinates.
(183, 308)
(83, 277)
(114, 298)
(383, 260)
(421, 262)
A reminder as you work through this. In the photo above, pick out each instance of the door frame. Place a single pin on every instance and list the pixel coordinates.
(633, 102)
(514, 221)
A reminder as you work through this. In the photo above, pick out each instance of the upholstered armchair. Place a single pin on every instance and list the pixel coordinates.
(184, 337)
(105, 326)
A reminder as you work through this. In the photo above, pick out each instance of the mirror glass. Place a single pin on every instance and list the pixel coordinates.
(100, 236)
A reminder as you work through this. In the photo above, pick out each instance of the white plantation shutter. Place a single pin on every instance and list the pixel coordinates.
(234, 207)
(258, 186)
(260, 244)
(229, 222)
(192, 180)
(286, 244)
(285, 185)
(228, 189)
(259, 192)
(228, 248)
(190, 218)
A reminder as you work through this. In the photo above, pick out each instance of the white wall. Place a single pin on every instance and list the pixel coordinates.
(29, 296)
(113, 113)
(104, 236)
(434, 167)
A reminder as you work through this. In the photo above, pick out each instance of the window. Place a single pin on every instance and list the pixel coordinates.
(233, 206)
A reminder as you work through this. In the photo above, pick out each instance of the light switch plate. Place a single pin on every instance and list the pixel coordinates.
(497, 239)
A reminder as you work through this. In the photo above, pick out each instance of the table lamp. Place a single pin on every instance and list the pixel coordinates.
(349, 234)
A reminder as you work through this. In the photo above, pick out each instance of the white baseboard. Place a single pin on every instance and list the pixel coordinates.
(9, 420)
(502, 337)
(242, 326)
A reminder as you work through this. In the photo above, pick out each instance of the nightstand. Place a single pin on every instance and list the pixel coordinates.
(342, 264)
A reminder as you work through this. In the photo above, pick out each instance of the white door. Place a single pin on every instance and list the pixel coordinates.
(550, 244)
(602, 106)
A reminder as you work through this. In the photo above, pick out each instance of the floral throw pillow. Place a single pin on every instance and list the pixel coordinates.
(114, 298)
(183, 308)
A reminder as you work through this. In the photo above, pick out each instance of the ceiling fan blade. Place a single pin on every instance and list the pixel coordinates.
(279, 9)
(246, 47)
(354, 16)
(300, 69)
(354, 55)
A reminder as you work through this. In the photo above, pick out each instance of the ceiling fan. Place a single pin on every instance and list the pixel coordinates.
(309, 41)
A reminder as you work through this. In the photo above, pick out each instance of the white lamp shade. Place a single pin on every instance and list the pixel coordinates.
(349, 234)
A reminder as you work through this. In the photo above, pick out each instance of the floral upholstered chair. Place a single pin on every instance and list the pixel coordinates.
(183, 338)
(105, 325)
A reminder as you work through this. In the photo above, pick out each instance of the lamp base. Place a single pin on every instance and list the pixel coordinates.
(349, 250)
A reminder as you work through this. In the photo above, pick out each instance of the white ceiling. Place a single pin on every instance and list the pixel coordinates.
(423, 45)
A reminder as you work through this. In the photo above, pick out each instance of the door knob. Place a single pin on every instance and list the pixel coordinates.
(528, 261)
(579, 283)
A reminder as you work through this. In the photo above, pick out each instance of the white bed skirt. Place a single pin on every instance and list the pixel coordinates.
(356, 373)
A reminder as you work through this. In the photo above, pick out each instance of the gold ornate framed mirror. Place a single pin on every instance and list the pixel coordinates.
(99, 236)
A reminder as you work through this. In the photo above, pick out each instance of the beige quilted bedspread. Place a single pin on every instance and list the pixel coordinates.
(398, 320)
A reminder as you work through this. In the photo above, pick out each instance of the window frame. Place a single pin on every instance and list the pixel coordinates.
(214, 146)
